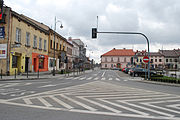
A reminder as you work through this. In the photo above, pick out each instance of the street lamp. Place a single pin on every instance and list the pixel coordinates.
(54, 42)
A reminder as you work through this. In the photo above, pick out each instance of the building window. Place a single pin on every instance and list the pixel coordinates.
(27, 38)
(35, 42)
(41, 63)
(111, 59)
(18, 35)
(118, 59)
(51, 44)
(155, 60)
(63, 48)
(60, 46)
(45, 45)
(137, 60)
(175, 60)
(105, 59)
(124, 59)
(160, 60)
(57, 46)
(170, 60)
(151, 60)
(140, 60)
(14, 61)
(40, 43)
(166, 60)
(51, 63)
(105, 65)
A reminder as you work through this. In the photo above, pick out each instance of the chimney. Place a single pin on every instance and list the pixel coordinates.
(114, 48)
(124, 48)
(70, 39)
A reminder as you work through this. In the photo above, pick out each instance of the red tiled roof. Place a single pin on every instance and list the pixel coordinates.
(120, 52)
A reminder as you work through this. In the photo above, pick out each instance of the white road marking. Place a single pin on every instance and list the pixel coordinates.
(118, 79)
(127, 108)
(110, 78)
(79, 103)
(52, 85)
(28, 101)
(89, 78)
(103, 74)
(148, 109)
(99, 104)
(96, 78)
(83, 78)
(44, 102)
(103, 78)
(61, 102)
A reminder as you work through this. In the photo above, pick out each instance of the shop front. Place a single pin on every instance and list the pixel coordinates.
(39, 62)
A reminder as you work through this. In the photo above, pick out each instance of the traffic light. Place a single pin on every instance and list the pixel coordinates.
(1, 8)
(94, 32)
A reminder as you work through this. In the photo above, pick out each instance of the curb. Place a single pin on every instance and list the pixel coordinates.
(21, 79)
(160, 83)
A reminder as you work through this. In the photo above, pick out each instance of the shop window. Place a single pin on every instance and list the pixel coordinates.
(155, 60)
(57, 46)
(166, 60)
(41, 63)
(18, 35)
(14, 61)
(51, 63)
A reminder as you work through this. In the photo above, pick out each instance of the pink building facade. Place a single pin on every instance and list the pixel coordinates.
(116, 58)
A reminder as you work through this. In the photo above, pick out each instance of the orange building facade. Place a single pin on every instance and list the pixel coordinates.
(39, 62)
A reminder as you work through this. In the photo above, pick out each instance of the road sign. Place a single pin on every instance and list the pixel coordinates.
(146, 59)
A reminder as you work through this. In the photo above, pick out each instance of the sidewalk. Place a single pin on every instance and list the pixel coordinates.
(41, 76)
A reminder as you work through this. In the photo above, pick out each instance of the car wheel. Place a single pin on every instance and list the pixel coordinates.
(136, 75)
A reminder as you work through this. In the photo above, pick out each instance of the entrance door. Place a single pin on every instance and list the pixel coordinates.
(35, 64)
(26, 64)
(118, 65)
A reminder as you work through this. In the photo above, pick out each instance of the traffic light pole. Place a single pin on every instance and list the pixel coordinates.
(135, 33)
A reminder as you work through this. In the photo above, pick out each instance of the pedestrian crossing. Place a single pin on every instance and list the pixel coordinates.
(100, 97)
(96, 78)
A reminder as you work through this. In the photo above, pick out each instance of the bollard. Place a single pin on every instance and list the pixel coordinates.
(38, 73)
(27, 73)
(1, 73)
(15, 74)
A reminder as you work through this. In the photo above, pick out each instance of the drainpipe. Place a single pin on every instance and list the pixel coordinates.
(8, 47)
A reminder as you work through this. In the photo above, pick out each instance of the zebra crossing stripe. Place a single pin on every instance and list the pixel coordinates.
(110, 78)
(28, 101)
(127, 108)
(96, 78)
(101, 105)
(61, 102)
(82, 78)
(79, 103)
(44, 102)
(103, 79)
(89, 78)
(118, 79)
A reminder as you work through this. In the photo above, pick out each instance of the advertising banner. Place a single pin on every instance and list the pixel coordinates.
(3, 51)
(2, 33)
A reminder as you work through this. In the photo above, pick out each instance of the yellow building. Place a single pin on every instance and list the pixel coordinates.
(60, 51)
(27, 44)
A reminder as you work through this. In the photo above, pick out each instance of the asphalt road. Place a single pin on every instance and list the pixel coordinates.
(99, 95)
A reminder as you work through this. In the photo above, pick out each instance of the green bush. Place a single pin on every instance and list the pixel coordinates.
(166, 79)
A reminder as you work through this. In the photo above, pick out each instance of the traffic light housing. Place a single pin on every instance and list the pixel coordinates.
(1, 9)
(94, 32)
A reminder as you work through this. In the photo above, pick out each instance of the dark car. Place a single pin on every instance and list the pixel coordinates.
(127, 70)
(140, 71)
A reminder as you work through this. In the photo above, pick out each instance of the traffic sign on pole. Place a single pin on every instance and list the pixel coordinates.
(146, 59)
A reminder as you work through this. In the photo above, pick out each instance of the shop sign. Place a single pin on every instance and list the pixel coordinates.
(41, 56)
(2, 33)
(3, 51)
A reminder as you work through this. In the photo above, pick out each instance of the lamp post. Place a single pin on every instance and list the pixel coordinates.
(54, 42)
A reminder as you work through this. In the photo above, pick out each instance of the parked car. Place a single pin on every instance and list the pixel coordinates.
(140, 71)
(127, 70)
(123, 69)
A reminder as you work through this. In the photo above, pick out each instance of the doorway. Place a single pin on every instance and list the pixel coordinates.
(26, 64)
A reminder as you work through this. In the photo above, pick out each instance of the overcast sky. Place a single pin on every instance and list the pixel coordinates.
(159, 20)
